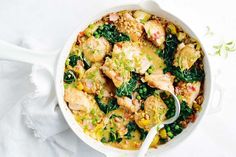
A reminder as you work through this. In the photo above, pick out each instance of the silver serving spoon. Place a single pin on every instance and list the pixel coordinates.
(153, 131)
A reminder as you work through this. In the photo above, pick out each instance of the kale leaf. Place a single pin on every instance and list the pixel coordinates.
(114, 137)
(69, 76)
(175, 128)
(73, 60)
(185, 111)
(126, 89)
(170, 47)
(110, 32)
(106, 108)
(87, 65)
(191, 75)
(132, 126)
(143, 133)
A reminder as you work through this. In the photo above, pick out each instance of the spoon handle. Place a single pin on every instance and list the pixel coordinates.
(150, 136)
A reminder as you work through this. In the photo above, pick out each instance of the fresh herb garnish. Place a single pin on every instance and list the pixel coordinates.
(110, 32)
(126, 89)
(225, 48)
(209, 31)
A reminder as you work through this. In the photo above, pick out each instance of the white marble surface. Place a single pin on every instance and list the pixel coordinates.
(51, 22)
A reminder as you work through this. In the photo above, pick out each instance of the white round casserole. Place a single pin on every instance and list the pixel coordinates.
(55, 63)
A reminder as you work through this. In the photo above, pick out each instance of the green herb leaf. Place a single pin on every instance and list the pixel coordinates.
(126, 89)
(209, 31)
(224, 48)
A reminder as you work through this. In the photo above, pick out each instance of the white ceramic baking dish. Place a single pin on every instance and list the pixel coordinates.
(55, 63)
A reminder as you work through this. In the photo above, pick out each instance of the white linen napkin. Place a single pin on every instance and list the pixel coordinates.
(33, 125)
(40, 109)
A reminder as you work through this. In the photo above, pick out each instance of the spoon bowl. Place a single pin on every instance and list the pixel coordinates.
(153, 131)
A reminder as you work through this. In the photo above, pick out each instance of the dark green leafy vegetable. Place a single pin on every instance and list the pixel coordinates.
(106, 108)
(110, 32)
(142, 106)
(87, 65)
(132, 126)
(69, 76)
(176, 128)
(114, 116)
(126, 89)
(170, 47)
(145, 91)
(114, 137)
(143, 133)
(169, 101)
(73, 60)
(191, 75)
(185, 111)
(103, 140)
